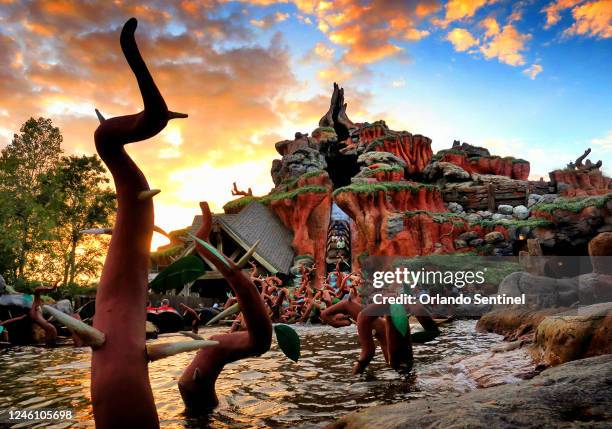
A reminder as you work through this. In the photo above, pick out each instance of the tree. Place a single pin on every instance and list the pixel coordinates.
(25, 219)
(80, 201)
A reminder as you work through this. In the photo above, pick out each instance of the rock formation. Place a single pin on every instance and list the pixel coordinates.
(576, 394)
(475, 159)
(581, 178)
(402, 200)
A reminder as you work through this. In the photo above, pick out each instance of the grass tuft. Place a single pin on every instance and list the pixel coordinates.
(370, 188)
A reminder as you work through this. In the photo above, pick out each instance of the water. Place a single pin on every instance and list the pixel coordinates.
(260, 392)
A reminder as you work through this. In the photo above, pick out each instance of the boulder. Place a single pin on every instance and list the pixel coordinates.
(445, 170)
(548, 198)
(455, 207)
(540, 291)
(388, 158)
(533, 199)
(583, 332)
(485, 214)
(459, 244)
(473, 218)
(494, 237)
(469, 235)
(499, 216)
(505, 209)
(574, 395)
(600, 249)
(477, 242)
(520, 212)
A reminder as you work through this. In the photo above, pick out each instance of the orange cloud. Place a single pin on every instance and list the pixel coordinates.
(367, 30)
(456, 10)
(232, 95)
(507, 46)
(491, 26)
(554, 9)
(269, 20)
(461, 39)
(324, 51)
(505, 43)
(592, 19)
(533, 70)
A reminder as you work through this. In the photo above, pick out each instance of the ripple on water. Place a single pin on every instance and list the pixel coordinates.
(257, 392)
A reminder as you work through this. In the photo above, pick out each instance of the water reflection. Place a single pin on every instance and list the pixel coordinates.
(259, 392)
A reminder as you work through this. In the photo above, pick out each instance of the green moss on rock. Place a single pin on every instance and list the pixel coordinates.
(293, 193)
(574, 205)
(529, 223)
(238, 203)
(384, 168)
(370, 188)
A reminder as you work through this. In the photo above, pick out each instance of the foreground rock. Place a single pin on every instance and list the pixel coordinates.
(575, 334)
(573, 395)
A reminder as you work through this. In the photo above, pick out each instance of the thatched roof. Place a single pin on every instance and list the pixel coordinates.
(257, 222)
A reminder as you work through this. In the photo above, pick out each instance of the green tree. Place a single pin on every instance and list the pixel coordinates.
(81, 200)
(25, 218)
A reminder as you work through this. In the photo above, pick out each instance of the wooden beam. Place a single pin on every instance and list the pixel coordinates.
(491, 206)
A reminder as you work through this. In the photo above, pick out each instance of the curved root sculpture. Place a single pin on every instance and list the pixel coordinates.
(120, 389)
(396, 348)
(197, 384)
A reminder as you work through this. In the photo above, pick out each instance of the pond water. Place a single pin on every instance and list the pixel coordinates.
(269, 391)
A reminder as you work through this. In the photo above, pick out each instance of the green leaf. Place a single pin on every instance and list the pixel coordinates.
(288, 341)
(178, 274)
(399, 317)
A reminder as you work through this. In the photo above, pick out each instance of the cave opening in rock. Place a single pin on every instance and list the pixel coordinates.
(341, 168)
(338, 246)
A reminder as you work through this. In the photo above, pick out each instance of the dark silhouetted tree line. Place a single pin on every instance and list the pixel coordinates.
(46, 198)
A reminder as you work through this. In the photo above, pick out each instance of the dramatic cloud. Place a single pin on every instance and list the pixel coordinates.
(592, 19)
(368, 31)
(323, 51)
(507, 46)
(221, 62)
(461, 39)
(269, 20)
(491, 26)
(553, 10)
(231, 94)
(456, 10)
(533, 70)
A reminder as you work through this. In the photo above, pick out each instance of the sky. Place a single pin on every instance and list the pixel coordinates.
(531, 79)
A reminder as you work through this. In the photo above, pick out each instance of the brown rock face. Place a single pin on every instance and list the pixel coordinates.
(576, 183)
(600, 249)
(415, 150)
(575, 334)
(398, 218)
(305, 209)
(371, 132)
(510, 167)
(574, 395)
(514, 322)
(574, 222)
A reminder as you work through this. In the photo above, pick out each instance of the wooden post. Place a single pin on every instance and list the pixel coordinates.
(491, 198)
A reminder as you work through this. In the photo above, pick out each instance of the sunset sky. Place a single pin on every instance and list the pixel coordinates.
(532, 79)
